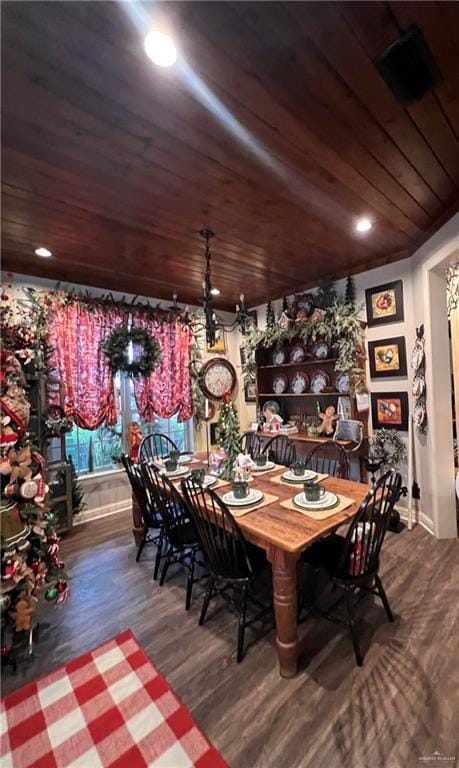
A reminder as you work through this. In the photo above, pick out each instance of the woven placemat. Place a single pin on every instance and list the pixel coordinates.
(319, 514)
(279, 479)
(268, 498)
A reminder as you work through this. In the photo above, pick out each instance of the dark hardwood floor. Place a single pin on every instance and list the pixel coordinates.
(401, 706)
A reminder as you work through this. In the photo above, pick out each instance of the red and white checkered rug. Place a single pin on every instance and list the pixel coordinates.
(107, 709)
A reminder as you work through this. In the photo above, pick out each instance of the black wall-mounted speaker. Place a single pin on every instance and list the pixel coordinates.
(408, 67)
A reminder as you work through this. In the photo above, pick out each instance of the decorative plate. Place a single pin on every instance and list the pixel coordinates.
(297, 353)
(290, 476)
(253, 497)
(319, 381)
(342, 383)
(419, 385)
(268, 465)
(272, 405)
(419, 415)
(280, 384)
(328, 501)
(179, 472)
(185, 458)
(321, 350)
(299, 383)
(209, 481)
(279, 356)
(417, 355)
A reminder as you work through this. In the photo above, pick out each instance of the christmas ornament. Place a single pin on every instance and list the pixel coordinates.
(5, 602)
(51, 593)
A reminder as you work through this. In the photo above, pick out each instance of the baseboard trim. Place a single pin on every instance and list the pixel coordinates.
(88, 515)
(418, 517)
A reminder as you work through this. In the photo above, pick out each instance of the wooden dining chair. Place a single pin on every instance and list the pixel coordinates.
(156, 446)
(178, 526)
(251, 443)
(352, 561)
(151, 516)
(329, 458)
(281, 450)
(233, 564)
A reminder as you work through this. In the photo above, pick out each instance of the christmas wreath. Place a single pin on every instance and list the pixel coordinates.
(116, 348)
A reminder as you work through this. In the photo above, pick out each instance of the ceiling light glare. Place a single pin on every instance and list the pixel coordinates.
(160, 49)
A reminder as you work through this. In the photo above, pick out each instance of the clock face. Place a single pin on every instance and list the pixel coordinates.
(218, 377)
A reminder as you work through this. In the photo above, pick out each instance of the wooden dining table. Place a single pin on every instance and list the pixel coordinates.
(284, 534)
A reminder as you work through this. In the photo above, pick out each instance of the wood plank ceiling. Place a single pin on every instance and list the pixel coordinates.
(277, 132)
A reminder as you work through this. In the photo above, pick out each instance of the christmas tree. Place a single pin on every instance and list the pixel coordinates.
(326, 294)
(230, 436)
(349, 296)
(270, 318)
(29, 552)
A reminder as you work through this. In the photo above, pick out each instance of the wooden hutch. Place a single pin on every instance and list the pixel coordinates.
(303, 408)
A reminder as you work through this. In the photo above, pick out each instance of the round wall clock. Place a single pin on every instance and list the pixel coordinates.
(217, 377)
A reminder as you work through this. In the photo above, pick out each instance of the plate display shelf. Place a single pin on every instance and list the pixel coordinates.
(302, 407)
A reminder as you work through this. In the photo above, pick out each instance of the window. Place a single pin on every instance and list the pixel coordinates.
(99, 449)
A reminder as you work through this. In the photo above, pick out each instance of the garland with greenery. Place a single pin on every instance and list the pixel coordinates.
(116, 349)
(339, 326)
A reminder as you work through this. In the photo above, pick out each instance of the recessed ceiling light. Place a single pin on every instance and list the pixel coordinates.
(44, 252)
(215, 291)
(160, 49)
(363, 225)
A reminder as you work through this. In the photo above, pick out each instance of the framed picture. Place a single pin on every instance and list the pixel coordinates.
(245, 358)
(219, 346)
(387, 357)
(385, 303)
(390, 409)
(251, 321)
(214, 433)
(250, 392)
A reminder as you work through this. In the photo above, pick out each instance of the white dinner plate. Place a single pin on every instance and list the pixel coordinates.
(253, 497)
(290, 476)
(209, 481)
(327, 501)
(185, 458)
(179, 472)
(268, 465)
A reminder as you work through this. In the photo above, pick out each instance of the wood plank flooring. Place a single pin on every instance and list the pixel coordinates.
(402, 705)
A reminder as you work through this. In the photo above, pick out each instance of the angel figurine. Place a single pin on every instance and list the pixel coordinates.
(327, 426)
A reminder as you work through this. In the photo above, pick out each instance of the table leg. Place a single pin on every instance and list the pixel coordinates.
(138, 526)
(284, 567)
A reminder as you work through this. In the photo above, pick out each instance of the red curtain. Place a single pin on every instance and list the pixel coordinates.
(76, 332)
(168, 390)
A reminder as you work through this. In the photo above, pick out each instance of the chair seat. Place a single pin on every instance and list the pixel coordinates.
(185, 534)
(326, 554)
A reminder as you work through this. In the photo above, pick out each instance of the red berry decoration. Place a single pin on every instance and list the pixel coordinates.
(61, 586)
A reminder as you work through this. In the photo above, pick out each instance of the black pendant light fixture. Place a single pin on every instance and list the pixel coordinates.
(211, 322)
